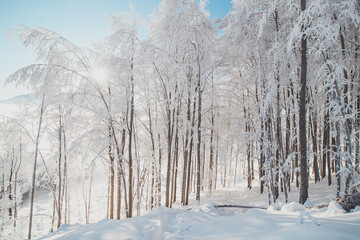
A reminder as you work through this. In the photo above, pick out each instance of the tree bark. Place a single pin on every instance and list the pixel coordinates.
(42, 110)
(131, 126)
(198, 146)
(304, 185)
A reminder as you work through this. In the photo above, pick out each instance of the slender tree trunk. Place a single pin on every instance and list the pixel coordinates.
(225, 168)
(236, 166)
(230, 164)
(279, 160)
(326, 142)
(54, 211)
(216, 160)
(186, 146)
(287, 136)
(337, 160)
(15, 185)
(42, 110)
(176, 155)
(112, 164)
(131, 126)
(199, 90)
(59, 169)
(249, 167)
(119, 176)
(168, 171)
(211, 154)
(357, 133)
(89, 199)
(304, 185)
(112, 180)
(152, 190)
(295, 141)
(108, 196)
(190, 163)
(185, 155)
(261, 143)
(10, 190)
(203, 167)
(159, 173)
(313, 131)
(65, 181)
(334, 151)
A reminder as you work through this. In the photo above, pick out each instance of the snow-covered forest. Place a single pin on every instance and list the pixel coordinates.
(267, 98)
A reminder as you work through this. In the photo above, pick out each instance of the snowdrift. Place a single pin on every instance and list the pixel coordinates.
(205, 222)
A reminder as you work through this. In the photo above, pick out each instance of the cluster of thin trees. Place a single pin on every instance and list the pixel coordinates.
(270, 92)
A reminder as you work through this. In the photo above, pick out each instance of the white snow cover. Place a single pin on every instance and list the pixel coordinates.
(293, 207)
(334, 208)
(280, 221)
(205, 222)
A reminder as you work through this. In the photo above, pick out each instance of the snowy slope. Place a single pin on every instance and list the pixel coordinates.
(205, 222)
(279, 221)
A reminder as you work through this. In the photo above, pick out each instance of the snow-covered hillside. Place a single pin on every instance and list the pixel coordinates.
(204, 221)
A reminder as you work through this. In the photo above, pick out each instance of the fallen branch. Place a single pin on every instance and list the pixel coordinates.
(238, 206)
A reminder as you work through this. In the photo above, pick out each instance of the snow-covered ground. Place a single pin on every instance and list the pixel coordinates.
(204, 221)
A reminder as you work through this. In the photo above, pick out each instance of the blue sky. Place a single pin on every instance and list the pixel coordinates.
(80, 21)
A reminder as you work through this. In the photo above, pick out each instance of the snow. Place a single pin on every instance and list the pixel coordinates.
(335, 208)
(293, 207)
(205, 221)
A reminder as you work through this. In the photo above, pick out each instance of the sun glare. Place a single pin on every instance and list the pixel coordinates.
(99, 74)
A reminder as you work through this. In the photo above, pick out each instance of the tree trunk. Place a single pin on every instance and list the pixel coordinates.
(304, 185)
(59, 168)
(65, 182)
(216, 160)
(287, 135)
(168, 170)
(186, 146)
(190, 163)
(131, 126)
(198, 146)
(337, 160)
(346, 110)
(15, 185)
(112, 175)
(313, 132)
(326, 142)
(119, 176)
(357, 133)
(42, 110)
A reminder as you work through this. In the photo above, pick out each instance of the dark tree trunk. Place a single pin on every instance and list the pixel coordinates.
(198, 146)
(186, 153)
(211, 157)
(168, 169)
(326, 142)
(59, 170)
(190, 163)
(337, 160)
(302, 116)
(313, 132)
(112, 176)
(131, 126)
(287, 135)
